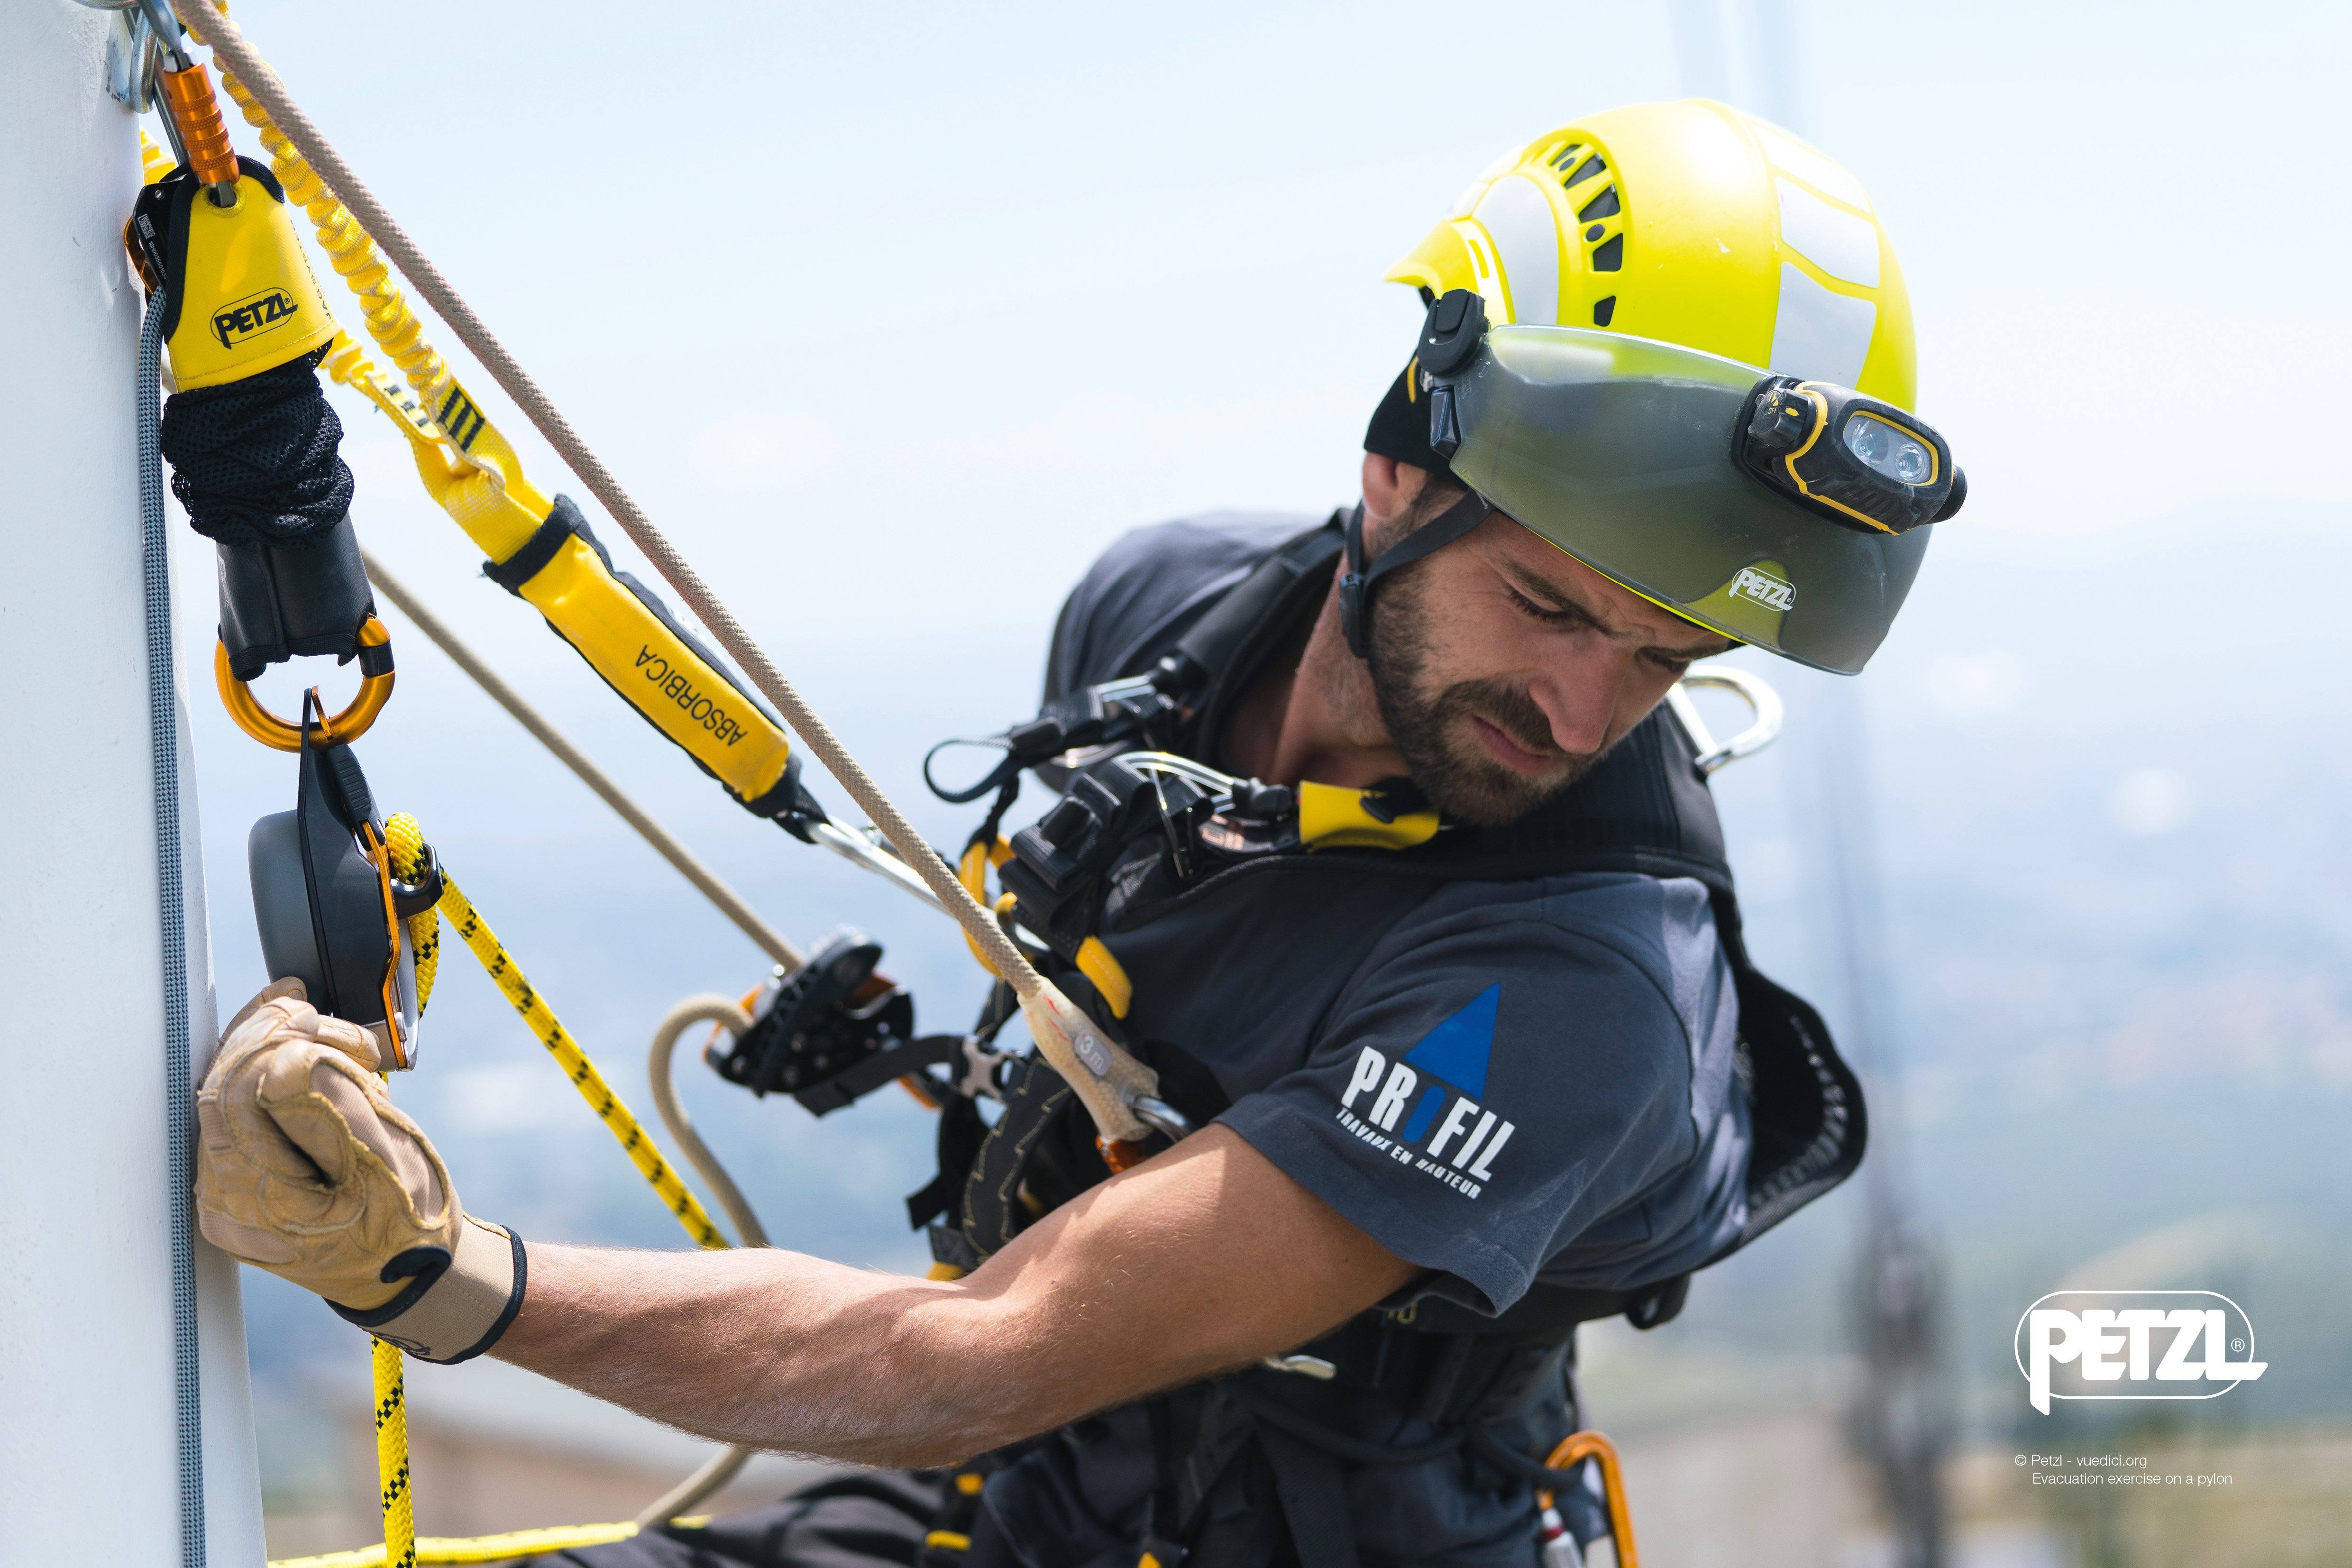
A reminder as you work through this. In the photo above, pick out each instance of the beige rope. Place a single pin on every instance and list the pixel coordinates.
(724, 1465)
(703, 1009)
(1106, 1076)
(689, 866)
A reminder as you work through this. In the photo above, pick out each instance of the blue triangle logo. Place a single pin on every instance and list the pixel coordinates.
(1457, 1050)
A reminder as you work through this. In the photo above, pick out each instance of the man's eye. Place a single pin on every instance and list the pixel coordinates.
(1551, 616)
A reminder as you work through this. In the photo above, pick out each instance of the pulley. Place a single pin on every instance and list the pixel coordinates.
(329, 911)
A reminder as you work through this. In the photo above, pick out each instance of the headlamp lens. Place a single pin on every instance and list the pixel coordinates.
(1890, 451)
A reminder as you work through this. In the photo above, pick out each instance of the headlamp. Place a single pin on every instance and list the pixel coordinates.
(1784, 513)
(1851, 458)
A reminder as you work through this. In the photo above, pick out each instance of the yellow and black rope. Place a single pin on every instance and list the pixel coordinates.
(401, 1548)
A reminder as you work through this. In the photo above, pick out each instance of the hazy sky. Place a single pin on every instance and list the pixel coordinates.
(892, 315)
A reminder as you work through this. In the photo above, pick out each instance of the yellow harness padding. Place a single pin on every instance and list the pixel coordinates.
(1332, 818)
(1094, 961)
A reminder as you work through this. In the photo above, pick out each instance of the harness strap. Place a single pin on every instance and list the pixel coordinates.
(1356, 584)
(1314, 1499)
(1251, 611)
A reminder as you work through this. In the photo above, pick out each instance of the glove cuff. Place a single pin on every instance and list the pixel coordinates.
(454, 1310)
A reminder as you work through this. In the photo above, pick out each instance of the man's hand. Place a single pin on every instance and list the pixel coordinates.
(1195, 1262)
(304, 1168)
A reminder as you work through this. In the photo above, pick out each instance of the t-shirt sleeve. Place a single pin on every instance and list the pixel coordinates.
(1481, 1093)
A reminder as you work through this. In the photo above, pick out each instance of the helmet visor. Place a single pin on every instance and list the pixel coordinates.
(1620, 451)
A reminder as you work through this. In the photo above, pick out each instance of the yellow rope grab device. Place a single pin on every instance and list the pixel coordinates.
(540, 549)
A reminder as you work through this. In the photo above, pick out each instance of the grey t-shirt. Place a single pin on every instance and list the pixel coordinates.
(1498, 1081)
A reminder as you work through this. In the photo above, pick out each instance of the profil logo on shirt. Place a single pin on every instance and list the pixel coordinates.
(1423, 1109)
(2133, 1344)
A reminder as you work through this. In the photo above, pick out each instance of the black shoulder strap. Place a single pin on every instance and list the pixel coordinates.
(1224, 649)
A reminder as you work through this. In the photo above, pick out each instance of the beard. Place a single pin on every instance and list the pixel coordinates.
(1432, 725)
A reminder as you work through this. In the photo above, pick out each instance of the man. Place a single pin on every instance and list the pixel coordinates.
(1457, 1088)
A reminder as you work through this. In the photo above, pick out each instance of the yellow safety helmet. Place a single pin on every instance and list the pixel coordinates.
(1689, 223)
(1613, 268)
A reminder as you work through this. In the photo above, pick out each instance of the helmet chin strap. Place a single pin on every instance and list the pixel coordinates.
(1355, 581)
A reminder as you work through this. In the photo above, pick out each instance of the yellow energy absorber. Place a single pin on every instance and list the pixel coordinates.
(534, 544)
(508, 977)
(399, 1549)
(1330, 818)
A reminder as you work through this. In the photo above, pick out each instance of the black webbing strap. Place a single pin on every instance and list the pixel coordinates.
(882, 1068)
(1356, 583)
(1314, 1499)
(1249, 610)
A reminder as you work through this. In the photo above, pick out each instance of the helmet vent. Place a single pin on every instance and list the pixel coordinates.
(1603, 310)
(1608, 255)
(1602, 205)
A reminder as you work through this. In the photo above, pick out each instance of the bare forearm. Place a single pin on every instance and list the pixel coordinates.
(1197, 1261)
(785, 1351)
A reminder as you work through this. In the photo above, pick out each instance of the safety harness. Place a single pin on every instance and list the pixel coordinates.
(1138, 837)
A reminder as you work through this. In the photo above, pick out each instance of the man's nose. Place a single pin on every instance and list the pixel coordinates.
(1579, 701)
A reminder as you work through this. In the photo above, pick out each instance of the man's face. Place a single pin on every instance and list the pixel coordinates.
(1505, 668)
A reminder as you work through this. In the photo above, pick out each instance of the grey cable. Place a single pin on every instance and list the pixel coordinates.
(179, 1092)
(748, 1232)
(689, 866)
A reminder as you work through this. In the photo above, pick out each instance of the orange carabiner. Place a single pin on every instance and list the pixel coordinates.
(375, 689)
(1592, 1445)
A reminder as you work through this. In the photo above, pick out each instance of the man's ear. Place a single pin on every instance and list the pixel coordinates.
(1390, 486)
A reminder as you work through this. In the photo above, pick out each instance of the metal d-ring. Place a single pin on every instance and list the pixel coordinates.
(244, 710)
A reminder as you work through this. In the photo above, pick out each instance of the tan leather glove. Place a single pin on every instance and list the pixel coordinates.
(304, 1168)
